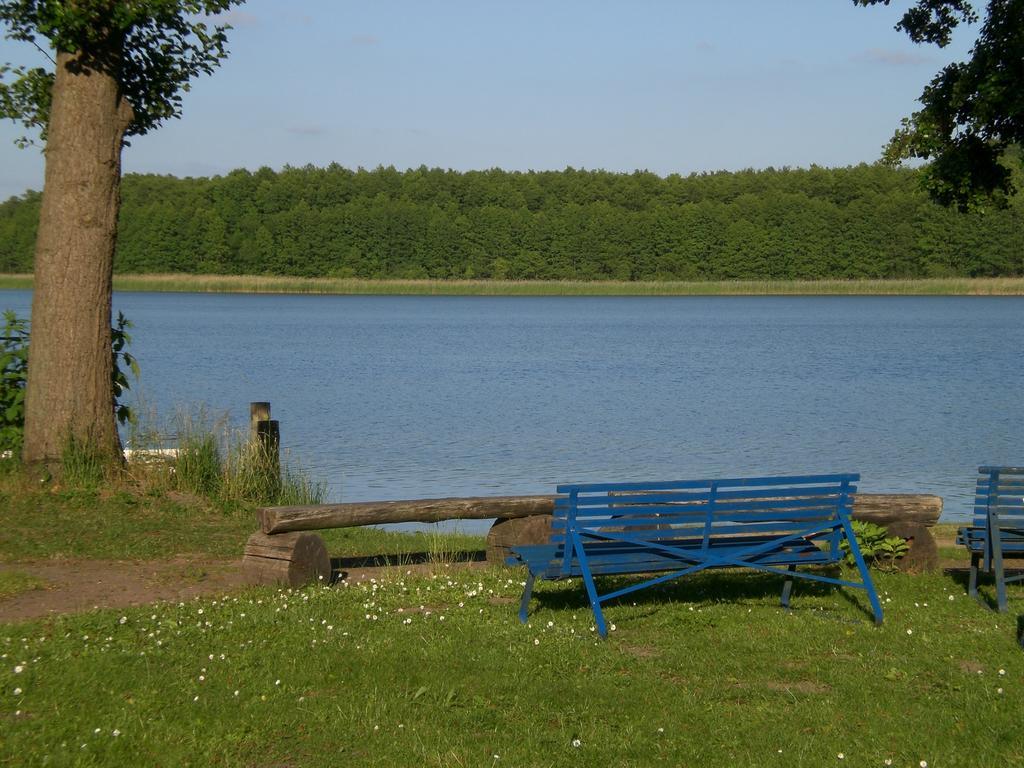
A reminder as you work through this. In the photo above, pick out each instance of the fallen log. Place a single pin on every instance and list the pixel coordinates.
(275, 520)
(874, 507)
(920, 508)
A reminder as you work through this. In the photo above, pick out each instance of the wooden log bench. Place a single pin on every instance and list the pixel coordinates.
(284, 551)
(997, 531)
(770, 524)
(274, 555)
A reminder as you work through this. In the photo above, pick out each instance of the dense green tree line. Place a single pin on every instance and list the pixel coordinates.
(859, 222)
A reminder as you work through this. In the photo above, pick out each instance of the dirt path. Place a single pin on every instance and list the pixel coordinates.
(80, 585)
(73, 586)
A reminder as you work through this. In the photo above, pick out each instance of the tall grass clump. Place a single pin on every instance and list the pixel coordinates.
(83, 465)
(199, 467)
(224, 464)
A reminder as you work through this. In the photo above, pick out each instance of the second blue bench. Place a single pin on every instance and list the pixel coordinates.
(998, 527)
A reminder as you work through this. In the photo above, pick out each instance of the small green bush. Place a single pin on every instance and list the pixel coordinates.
(13, 368)
(876, 545)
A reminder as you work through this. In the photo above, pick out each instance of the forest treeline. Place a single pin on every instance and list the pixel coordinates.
(867, 221)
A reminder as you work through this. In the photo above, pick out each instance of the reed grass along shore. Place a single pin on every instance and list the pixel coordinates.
(184, 283)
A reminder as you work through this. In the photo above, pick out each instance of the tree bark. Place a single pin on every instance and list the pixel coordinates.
(69, 391)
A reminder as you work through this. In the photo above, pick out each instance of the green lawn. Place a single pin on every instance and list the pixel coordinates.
(436, 670)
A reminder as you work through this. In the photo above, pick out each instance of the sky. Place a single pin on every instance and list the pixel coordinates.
(669, 86)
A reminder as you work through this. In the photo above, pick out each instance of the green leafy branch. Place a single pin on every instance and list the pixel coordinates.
(14, 352)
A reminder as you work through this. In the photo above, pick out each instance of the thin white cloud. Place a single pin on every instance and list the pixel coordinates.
(892, 58)
(365, 40)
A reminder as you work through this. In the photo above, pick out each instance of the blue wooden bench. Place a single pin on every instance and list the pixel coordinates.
(997, 530)
(772, 524)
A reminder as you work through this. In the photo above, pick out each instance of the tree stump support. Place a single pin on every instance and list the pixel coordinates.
(289, 559)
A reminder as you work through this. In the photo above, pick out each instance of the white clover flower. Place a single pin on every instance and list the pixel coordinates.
(841, 756)
(910, 631)
(17, 691)
(18, 669)
(123, 620)
(115, 733)
(577, 743)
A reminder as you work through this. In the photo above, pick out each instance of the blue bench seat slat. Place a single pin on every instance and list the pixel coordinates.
(617, 558)
(649, 529)
(774, 524)
(648, 516)
(660, 497)
(724, 483)
(619, 509)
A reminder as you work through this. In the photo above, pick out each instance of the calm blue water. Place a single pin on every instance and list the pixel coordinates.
(410, 397)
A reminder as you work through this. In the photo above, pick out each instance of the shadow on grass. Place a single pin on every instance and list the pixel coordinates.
(339, 564)
(986, 582)
(713, 587)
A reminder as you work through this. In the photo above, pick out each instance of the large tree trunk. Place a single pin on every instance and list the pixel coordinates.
(69, 370)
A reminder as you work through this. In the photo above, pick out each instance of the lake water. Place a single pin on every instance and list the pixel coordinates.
(418, 397)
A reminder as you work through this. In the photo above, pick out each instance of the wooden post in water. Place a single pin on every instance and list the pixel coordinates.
(265, 434)
(257, 412)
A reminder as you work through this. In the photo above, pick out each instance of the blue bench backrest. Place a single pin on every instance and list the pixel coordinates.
(705, 511)
(1003, 487)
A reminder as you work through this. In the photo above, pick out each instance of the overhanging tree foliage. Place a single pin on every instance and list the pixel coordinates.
(119, 68)
(972, 112)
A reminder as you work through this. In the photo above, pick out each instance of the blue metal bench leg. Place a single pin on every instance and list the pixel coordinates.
(1000, 574)
(787, 588)
(972, 584)
(865, 575)
(588, 580)
(524, 604)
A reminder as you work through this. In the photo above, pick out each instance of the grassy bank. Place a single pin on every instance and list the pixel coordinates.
(1002, 286)
(128, 520)
(435, 670)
